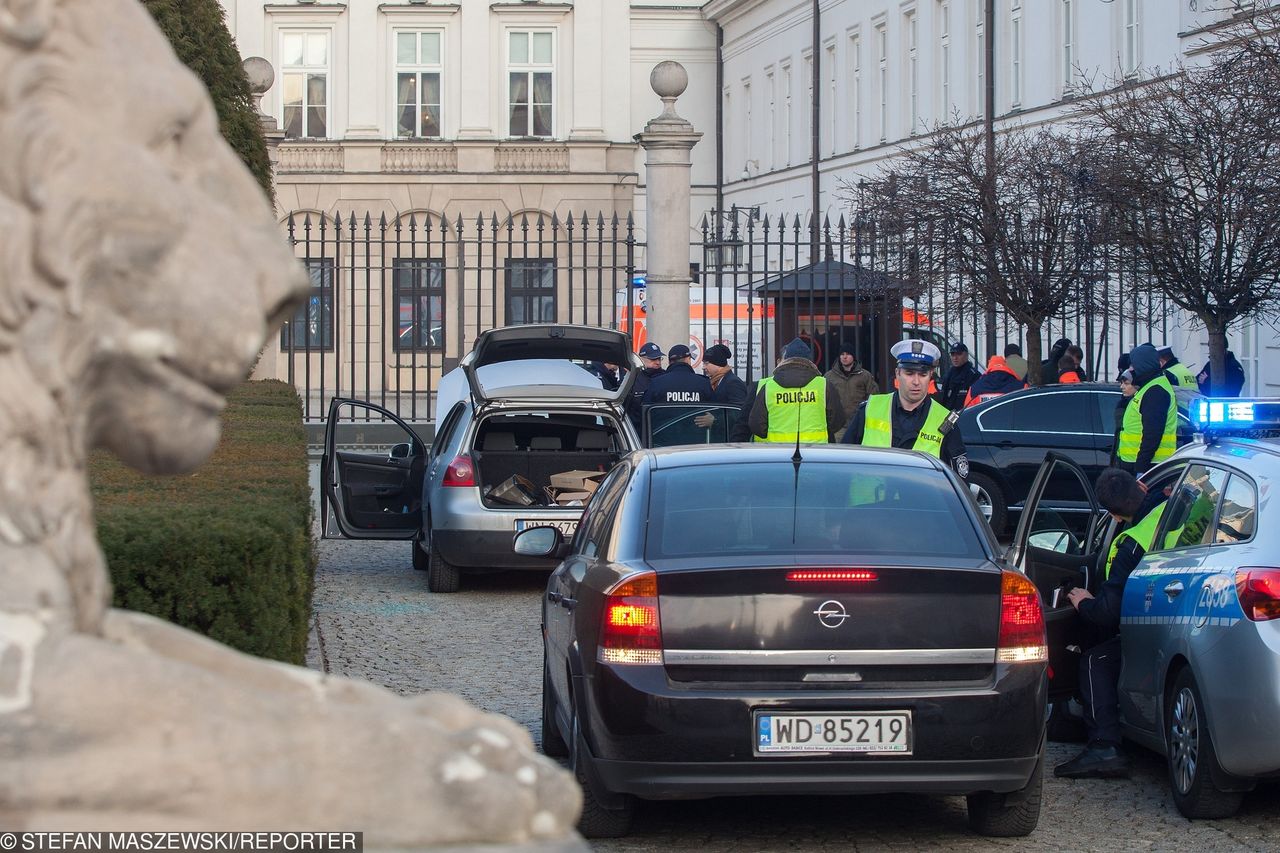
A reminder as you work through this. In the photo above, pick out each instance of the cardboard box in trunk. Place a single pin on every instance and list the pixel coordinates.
(577, 481)
(517, 491)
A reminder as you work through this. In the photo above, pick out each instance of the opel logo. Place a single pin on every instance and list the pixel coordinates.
(831, 614)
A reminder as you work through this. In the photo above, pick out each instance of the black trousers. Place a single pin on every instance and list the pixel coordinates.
(1099, 690)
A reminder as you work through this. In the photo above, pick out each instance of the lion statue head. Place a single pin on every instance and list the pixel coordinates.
(140, 269)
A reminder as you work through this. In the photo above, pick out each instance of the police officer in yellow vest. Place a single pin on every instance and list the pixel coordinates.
(796, 400)
(1178, 374)
(908, 418)
(1148, 431)
(1120, 493)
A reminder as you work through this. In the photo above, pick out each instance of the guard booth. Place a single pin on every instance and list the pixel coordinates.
(832, 302)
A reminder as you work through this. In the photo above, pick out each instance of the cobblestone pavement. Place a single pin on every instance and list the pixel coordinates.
(375, 619)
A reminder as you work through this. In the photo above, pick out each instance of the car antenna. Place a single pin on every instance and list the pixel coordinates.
(796, 459)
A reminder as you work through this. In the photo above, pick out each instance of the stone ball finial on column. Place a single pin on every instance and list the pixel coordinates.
(669, 80)
(261, 77)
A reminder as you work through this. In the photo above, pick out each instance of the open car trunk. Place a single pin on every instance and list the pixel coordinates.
(535, 448)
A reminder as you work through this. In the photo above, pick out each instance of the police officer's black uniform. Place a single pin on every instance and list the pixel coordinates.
(679, 384)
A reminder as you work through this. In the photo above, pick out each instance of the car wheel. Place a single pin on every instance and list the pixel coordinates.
(553, 744)
(1190, 755)
(1009, 815)
(990, 499)
(421, 562)
(596, 820)
(442, 576)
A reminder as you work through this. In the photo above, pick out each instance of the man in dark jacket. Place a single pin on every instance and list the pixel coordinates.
(956, 385)
(679, 384)
(999, 379)
(651, 361)
(1235, 379)
(1049, 367)
(1128, 501)
(851, 383)
(795, 373)
(1148, 431)
(726, 388)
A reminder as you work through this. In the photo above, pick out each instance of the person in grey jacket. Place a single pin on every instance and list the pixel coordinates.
(796, 370)
(851, 383)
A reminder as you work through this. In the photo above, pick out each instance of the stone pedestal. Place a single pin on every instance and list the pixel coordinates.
(668, 142)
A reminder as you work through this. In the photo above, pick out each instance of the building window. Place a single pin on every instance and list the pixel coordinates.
(311, 326)
(944, 61)
(1130, 59)
(882, 80)
(304, 71)
(531, 82)
(980, 51)
(832, 80)
(418, 70)
(855, 90)
(418, 294)
(531, 291)
(1015, 53)
(807, 108)
(913, 72)
(786, 115)
(1068, 23)
(770, 92)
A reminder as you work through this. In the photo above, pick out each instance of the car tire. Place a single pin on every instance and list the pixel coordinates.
(442, 576)
(421, 560)
(1190, 754)
(596, 820)
(553, 744)
(1009, 815)
(989, 496)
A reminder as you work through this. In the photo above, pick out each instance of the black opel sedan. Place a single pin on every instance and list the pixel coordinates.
(762, 619)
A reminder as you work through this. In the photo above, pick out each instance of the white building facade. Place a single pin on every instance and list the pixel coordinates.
(889, 70)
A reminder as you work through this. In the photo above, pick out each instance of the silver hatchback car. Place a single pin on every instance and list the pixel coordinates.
(519, 424)
(1200, 617)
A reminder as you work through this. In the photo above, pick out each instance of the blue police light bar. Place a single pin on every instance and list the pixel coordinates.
(1235, 415)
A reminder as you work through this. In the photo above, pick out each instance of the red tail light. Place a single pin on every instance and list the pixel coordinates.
(832, 575)
(1022, 637)
(629, 630)
(460, 472)
(1259, 592)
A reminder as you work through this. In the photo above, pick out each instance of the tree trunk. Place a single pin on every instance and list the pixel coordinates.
(1035, 346)
(1217, 358)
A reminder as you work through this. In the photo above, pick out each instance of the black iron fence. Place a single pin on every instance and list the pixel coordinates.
(396, 303)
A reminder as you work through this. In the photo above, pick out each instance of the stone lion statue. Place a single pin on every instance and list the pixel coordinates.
(140, 269)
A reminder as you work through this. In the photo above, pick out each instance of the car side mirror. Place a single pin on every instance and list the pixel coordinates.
(539, 542)
(401, 451)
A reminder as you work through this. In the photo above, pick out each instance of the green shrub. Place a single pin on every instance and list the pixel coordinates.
(225, 551)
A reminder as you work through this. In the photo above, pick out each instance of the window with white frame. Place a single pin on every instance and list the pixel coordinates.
(980, 53)
(785, 159)
(1067, 23)
(944, 60)
(882, 80)
(1015, 53)
(1130, 57)
(832, 80)
(419, 69)
(531, 82)
(912, 80)
(855, 90)
(304, 73)
(770, 92)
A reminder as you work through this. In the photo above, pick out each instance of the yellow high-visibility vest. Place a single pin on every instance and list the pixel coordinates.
(1131, 426)
(793, 410)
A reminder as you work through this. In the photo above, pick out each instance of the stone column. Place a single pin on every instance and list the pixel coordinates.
(261, 77)
(668, 142)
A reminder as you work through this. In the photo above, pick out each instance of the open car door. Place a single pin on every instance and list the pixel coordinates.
(1058, 545)
(371, 495)
(670, 424)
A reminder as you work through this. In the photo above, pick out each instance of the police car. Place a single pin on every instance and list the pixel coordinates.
(1200, 620)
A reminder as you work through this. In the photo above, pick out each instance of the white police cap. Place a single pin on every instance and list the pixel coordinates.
(916, 352)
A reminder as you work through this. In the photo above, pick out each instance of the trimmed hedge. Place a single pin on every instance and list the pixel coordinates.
(226, 551)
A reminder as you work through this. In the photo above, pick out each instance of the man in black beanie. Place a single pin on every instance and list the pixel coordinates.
(850, 382)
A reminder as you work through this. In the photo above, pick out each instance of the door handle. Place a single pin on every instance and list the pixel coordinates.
(554, 597)
(568, 603)
(1173, 589)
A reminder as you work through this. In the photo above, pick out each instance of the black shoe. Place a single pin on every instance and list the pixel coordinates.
(1096, 761)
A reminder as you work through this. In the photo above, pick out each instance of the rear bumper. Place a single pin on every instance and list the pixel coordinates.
(483, 549)
(660, 739)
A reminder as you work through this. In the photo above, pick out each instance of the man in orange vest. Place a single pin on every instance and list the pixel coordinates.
(1000, 378)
